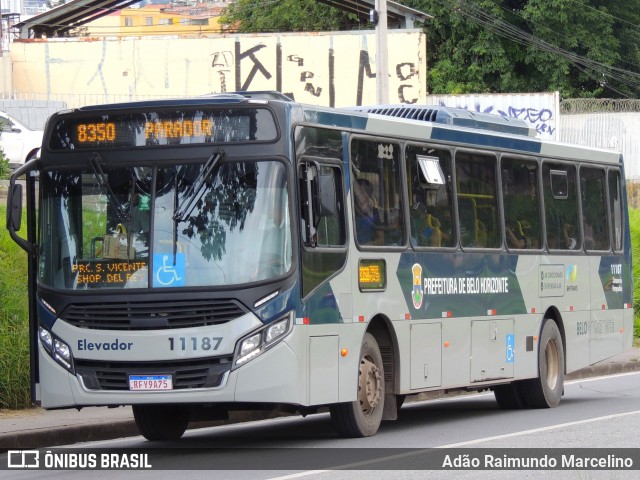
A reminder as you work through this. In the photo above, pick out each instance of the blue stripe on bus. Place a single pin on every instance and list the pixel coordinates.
(525, 144)
(336, 119)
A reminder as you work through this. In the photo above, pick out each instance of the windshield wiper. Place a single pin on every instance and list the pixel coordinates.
(197, 189)
(98, 173)
(192, 196)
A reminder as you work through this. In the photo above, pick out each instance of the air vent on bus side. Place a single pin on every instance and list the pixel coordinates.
(426, 114)
(151, 315)
(453, 116)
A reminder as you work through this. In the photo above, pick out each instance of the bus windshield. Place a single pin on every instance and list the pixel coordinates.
(104, 227)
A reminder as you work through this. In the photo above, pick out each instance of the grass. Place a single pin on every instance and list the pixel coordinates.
(634, 222)
(14, 323)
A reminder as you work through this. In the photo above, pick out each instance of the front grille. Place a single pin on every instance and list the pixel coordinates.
(151, 315)
(198, 373)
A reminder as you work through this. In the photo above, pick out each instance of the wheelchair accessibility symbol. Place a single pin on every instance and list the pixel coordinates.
(510, 347)
(165, 273)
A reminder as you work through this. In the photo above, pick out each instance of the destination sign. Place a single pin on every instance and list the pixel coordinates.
(188, 126)
(110, 273)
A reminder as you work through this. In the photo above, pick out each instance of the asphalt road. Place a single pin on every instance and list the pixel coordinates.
(599, 412)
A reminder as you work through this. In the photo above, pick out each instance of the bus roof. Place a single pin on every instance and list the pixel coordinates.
(419, 123)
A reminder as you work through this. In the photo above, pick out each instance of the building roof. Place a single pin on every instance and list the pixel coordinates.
(58, 21)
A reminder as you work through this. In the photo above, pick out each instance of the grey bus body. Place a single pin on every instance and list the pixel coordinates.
(198, 256)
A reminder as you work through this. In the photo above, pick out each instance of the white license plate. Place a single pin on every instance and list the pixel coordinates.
(150, 382)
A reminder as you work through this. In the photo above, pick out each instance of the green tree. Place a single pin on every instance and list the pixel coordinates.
(254, 16)
(582, 48)
(464, 56)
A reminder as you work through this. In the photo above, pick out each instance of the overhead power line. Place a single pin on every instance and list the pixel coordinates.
(597, 71)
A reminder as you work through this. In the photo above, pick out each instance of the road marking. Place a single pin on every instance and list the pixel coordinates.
(603, 377)
(537, 430)
(452, 445)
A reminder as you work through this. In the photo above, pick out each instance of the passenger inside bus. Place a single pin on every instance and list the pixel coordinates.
(367, 213)
(566, 240)
(569, 237)
(425, 228)
(589, 237)
(518, 235)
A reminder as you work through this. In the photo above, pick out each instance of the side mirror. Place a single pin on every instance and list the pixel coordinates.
(324, 196)
(14, 212)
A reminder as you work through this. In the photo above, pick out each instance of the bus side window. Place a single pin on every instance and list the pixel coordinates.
(595, 224)
(430, 200)
(561, 206)
(477, 201)
(521, 200)
(375, 183)
(615, 207)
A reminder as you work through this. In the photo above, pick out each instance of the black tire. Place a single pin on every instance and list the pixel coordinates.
(161, 422)
(509, 396)
(362, 418)
(546, 390)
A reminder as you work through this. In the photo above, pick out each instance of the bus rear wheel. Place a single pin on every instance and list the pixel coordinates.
(546, 390)
(362, 418)
(161, 422)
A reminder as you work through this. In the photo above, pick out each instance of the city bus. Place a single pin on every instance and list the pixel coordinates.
(242, 251)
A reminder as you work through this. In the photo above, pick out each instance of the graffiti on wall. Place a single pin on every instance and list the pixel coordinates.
(536, 110)
(329, 69)
(295, 73)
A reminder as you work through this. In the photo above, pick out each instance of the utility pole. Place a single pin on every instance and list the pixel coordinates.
(1, 32)
(382, 57)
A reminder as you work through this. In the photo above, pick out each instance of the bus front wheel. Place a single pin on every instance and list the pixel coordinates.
(362, 418)
(546, 390)
(161, 422)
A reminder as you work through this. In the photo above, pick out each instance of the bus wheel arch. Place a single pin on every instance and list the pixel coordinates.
(362, 417)
(554, 314)
(381, 328)
(376, 379)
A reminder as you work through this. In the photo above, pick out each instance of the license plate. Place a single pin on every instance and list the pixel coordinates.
(150, 382)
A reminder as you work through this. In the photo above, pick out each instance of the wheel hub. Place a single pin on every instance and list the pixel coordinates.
(370, 385)
(553, 365)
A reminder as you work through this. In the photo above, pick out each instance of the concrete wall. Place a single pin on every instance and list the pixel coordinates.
(33, 113)
(332, 69)
(615, 130)
(6, 84)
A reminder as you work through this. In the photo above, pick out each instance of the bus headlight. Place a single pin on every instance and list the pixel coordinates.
(249, 345)
(46, 339)
(276, 331)
(62, 353)
(56, 348)
(258, 342)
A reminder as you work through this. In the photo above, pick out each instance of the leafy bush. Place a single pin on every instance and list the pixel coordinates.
(4, 166)
(4, 161)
